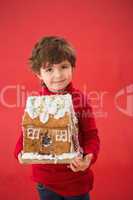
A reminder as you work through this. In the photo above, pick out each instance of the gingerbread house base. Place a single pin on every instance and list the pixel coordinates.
(30, 158)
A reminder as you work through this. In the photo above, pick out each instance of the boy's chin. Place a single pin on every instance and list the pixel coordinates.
(60, 87)
(57, 89)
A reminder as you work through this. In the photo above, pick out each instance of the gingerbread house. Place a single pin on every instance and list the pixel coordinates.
(50, 130)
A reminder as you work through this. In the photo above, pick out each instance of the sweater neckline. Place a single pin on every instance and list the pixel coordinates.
(46, 91)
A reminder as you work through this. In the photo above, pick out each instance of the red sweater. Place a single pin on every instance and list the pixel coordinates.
(58, 177)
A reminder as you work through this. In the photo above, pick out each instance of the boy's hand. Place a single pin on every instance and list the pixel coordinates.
(80, 163)
(19, 158)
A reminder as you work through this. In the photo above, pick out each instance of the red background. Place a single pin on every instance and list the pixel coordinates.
(101, 32)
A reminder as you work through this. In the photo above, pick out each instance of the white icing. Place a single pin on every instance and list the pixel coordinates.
(53, 108)
(36, 156)
(43, 106)
(60, 113)
(44, 117)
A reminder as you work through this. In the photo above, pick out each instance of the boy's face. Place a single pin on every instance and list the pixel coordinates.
(56, 76)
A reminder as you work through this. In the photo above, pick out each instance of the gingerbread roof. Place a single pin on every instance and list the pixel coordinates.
(53, 111)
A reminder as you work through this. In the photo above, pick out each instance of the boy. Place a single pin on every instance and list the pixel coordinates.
(53, 61)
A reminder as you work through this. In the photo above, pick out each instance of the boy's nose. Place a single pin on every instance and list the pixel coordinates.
(57, 73)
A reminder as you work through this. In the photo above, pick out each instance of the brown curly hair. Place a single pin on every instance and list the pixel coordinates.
(51, 49)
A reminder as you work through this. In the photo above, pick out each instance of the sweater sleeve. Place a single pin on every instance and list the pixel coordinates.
(89, 132)
(19, 146)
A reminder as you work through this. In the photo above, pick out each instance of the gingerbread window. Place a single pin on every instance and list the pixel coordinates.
(33, 133)
(61, 136)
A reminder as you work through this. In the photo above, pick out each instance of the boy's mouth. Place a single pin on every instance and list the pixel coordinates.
(59, 81)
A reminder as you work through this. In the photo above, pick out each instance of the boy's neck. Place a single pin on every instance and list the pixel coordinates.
(56, 91)
(64, 90)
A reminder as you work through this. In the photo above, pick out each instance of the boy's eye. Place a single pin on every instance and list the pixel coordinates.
(49, 70)
(64, 66)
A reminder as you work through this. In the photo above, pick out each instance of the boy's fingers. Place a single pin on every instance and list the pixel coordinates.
(76, 163)
(20, 159)
(78, 158)
(73, 168)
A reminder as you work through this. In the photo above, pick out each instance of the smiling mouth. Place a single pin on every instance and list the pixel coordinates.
(59, 81)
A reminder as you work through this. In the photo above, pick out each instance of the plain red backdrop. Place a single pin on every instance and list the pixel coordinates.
(101, 32)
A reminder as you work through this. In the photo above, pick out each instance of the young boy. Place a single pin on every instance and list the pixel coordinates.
(53, 61)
